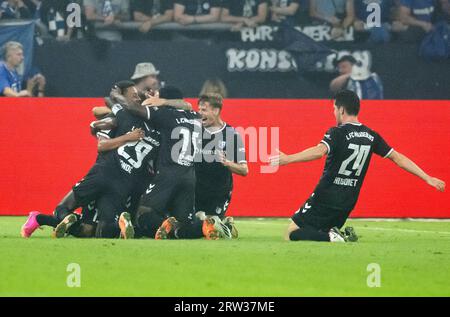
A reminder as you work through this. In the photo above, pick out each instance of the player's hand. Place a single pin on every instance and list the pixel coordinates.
(154, 102)
(436, 183)
(135, 135)
(223, 159)
(279, 160)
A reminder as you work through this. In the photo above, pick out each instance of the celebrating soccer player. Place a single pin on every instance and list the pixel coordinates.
(349, 148)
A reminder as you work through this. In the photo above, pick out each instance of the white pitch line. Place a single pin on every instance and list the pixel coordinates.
(402, 230)
(366, 228)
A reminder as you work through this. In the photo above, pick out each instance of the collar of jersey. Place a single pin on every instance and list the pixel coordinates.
(224, 125)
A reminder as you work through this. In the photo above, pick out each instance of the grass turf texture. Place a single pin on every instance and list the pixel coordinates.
(414, 258)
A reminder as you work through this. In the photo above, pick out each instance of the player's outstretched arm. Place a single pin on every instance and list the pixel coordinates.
(405, 163)
(104, 124)
(105, 145)
(137, 110)
(311, 154)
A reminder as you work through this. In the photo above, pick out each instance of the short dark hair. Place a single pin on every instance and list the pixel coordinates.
(214, 99)
(349, 101)
(345, 58)
(170, 92)
(123, 85)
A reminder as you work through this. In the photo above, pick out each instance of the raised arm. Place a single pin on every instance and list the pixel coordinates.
(161, 102)
(135, 109)
(405, 163)
(311, 154)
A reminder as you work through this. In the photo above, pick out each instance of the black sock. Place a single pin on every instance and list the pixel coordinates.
(45, 220)
(107, 230)
(308, 234)
(61, 212)
(148, 223)
(75, 229)
(190, 231)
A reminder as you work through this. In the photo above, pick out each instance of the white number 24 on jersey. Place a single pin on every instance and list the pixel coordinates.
(359, 155)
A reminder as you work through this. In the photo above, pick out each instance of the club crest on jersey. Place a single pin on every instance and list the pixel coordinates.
(222, 145)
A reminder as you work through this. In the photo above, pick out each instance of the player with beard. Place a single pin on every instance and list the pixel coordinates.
(349, 148)
(222, 155)
(110, 181)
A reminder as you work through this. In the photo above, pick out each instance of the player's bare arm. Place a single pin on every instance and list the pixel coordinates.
(105, 144)
(117, 97)
(311, 154)
(408, 165)
(161, 102)
(104, 124)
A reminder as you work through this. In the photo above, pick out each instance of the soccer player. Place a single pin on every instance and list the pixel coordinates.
(222, 155)
(349, 147)
(111, 180)
(167, 206)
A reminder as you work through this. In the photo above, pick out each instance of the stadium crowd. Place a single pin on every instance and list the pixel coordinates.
(409, 19)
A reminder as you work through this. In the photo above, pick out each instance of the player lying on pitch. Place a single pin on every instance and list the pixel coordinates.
(349, 148)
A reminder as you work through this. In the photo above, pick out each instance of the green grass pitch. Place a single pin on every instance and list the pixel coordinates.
(414, 258)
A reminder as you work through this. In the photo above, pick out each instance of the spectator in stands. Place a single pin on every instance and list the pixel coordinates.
(197, 11)
(363, 82)
(146, 77)
(14, 9)
(340, 14)
(214, 85)
(284, 11)
(376, 33)
(10, 80)
(53, 16)
(245, 13)
(443, 12)
(344, 66)
(151, 13)
(416, 16)
(108, 13)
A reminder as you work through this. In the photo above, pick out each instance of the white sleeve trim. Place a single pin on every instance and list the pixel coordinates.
(148, 113)
(389, 153)
(103, 135)
(116, 108)
(244, 161)
(328, 146)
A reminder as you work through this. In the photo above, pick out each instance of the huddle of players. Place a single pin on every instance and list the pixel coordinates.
(163, 171)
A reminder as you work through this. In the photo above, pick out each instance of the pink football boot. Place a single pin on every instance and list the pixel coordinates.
(30, 225)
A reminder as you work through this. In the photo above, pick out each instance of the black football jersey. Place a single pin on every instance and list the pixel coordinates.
(180, 135)
(212, 176)
(132, 158)
(350, 147)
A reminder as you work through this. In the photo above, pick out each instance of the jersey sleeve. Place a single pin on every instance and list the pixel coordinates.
(381, 148)
(156, 115)
(331, 139)
(238, 155)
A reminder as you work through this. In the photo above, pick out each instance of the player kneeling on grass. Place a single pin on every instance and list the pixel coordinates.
(221, 155)
(349, 148)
